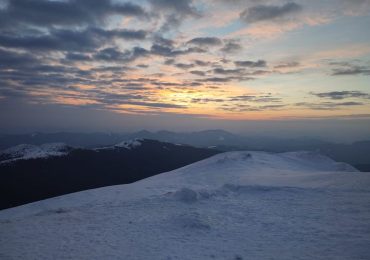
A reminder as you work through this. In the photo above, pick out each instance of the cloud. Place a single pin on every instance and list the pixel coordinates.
(169, 61)
(337, 95)
(169, 51)
(287, 65)
(11, 59)
(249, 103)
(164, 50)
(272, 107)
(121, 33)
(198, 72)
(251, 64)
(228, 71)
(109, 54)
(113, 54)
(352, 70)
(173, 12)
(202, 63)
(348, 68)
(184, 65)
(244, 103)
(73, 56)
(205, 41)
(150, 104)
(71, 40)
(328, 105)
(255, 98)
(181, 7)
(251, 108)
(260, 13)
(53, 13)
(226, 79)
(160, 40)
(207, 100)
(231, 47)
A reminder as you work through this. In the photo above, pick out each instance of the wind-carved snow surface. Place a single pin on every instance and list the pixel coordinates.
(29, 151)
(237, 205)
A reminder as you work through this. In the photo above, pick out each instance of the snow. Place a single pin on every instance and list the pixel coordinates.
(236, 205)
(128, 144)
(28, 151)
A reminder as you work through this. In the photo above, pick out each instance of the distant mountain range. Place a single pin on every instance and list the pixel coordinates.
(357, 154)
(200, 139)
(30, 172)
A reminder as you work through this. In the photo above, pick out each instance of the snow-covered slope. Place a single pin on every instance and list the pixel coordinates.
(29, 151)
(128, 144)
(237, 205)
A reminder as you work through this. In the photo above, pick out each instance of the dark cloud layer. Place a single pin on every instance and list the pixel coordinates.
(228, 71)
(328, 105)
(68, 40)
(353, 70)
(168, 51)
(337, 95)
(174, 12)
(48, 41)
(206, 41)
(349, 68)
(269, 12)
(181, 7)
(251, 64)
(73, 12)
(231, 47)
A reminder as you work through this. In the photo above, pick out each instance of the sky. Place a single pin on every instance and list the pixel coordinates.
(296, 67)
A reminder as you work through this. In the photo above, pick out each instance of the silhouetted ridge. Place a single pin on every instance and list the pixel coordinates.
(31, 179)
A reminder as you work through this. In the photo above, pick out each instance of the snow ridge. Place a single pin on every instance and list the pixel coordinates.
(29, 151)
(127, 144)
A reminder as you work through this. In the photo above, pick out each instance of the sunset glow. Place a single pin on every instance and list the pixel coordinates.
(227, 60)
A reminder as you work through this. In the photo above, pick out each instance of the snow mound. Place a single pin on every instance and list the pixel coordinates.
(28, 151)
